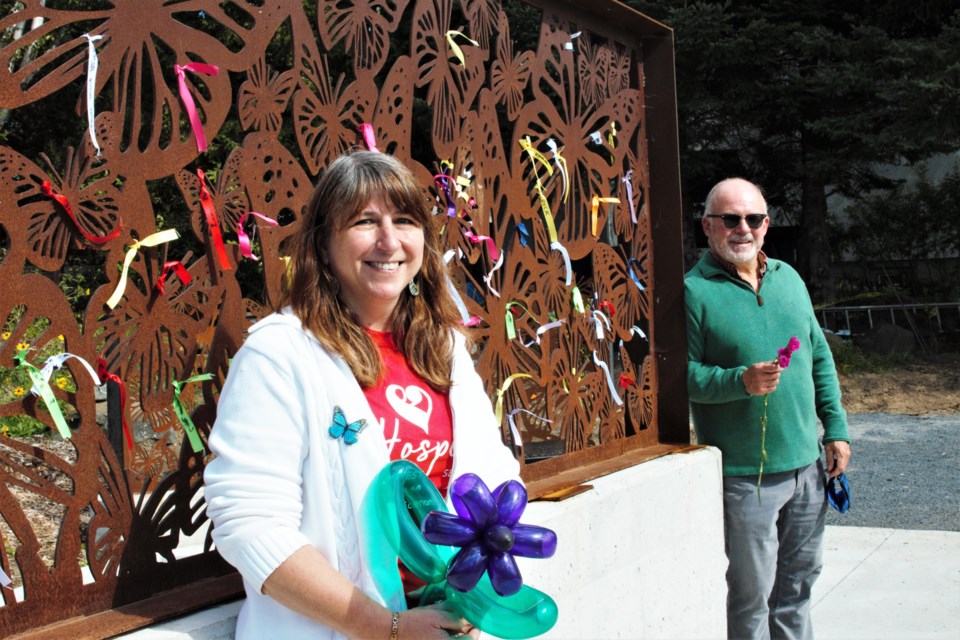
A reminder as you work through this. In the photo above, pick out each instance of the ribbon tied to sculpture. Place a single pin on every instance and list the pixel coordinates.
(187, 98)
(400, 504)
(41, 388)
(183, 415)
(105, 375)
(152, 240)
(47, 189)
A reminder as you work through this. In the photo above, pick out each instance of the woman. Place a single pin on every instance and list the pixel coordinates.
(361, 364)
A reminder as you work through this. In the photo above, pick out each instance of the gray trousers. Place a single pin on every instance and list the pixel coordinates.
(775, 549)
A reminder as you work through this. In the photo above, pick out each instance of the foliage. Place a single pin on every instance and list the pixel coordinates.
(911, 221)
(851, 359)
(811, 98)
(15, 382)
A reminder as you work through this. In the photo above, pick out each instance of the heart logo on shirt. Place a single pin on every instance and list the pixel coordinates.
(407, 403)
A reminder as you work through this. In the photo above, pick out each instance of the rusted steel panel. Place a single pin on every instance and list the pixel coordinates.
(535, 115)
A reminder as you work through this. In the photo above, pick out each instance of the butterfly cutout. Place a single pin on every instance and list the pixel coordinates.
(340, 428)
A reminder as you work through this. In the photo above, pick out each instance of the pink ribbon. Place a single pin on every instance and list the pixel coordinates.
(187, 97)
(491, 243)
(366, 129)
(242, 237)
(173, 266)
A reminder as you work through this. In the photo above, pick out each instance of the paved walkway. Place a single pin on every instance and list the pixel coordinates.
(888, 584)
(877, 584)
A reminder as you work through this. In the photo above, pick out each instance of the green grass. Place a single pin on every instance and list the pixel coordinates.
(852, 359)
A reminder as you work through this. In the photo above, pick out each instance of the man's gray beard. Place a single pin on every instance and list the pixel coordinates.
(728, 254)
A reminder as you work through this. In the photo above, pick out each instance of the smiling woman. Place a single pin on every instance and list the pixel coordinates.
(361, 364)
(374, 257)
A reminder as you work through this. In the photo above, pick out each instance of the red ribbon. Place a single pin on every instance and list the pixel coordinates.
(187, 97)
(176, 267)
(607, 306)
(105, 376)
(626, 381)
(213, 222)
(63, 202)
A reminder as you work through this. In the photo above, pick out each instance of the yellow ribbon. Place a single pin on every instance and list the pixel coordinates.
(150, 241)
(536, 156)
(502, 390)
(612, 139)
(595, 206)
(456, 48)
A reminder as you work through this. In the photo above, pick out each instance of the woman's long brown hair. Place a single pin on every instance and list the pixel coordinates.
(421, 325)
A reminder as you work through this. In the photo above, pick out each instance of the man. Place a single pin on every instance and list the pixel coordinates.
(741, 307)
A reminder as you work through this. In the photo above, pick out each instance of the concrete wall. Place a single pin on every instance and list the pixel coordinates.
(639, 556)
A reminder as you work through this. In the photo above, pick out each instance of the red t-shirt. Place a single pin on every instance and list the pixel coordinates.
(416, 420)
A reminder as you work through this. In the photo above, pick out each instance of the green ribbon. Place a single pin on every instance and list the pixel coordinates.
(183, 416)
(42, 387)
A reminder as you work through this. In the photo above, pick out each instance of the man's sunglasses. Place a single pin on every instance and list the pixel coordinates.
(732, 220)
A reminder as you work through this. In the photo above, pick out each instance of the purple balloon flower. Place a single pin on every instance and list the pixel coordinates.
(488, 531)
(783, 355)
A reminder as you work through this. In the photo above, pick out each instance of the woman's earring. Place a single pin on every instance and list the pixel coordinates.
(332, 282)
(413, 288)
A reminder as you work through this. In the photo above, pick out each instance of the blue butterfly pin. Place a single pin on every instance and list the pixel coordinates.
(340, 427)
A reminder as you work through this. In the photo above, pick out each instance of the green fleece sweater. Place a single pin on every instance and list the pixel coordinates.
(730, 327)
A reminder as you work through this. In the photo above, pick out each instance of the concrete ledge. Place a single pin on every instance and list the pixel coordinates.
(640, 555)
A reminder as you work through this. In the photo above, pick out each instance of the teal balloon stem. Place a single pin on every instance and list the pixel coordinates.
(398, 500)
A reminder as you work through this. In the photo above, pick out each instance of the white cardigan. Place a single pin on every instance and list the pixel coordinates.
(280, 482)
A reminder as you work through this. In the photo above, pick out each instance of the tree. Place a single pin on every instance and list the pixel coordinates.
(912, 222)
(809, 98)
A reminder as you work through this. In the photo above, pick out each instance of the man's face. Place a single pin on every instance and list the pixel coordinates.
(741, 244)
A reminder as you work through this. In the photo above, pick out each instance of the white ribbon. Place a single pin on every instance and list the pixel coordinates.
(566, 260)
(468, 321)
(573, 36)
(489, 277)
(561, 165)
(55, 363)
(613, 389)
(597, 316)
(93, 63)
(542, 330)
(638, 331)
(513, 426)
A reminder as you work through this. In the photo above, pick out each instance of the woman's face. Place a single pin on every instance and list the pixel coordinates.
(374, 257)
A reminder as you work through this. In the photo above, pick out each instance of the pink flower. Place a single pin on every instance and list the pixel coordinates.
(783, 355)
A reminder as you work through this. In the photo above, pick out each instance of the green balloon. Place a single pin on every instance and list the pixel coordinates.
(398, 500)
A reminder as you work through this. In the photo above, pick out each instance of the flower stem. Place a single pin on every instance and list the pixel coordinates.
(763, 444)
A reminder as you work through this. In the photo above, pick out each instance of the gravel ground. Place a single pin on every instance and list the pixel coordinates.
(904, 474)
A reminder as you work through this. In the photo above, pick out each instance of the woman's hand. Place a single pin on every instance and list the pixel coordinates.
(434, 621)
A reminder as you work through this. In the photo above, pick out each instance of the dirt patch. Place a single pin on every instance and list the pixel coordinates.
(920, 388)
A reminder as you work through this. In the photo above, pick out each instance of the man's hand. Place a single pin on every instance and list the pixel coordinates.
(838, 455)
(761, 378)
